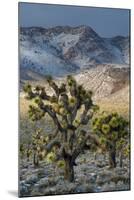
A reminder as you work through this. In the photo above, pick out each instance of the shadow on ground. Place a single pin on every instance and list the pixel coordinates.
(13, 193)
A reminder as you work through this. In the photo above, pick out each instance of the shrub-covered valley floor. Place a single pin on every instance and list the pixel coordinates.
(92, 173)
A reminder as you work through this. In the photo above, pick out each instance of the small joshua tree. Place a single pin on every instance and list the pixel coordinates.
(22, 151)
(38, 142)
(123, 149)
(111, 128)
(70, 107)
(28, 152)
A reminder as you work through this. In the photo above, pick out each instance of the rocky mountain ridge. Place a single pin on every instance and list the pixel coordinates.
(63, 50)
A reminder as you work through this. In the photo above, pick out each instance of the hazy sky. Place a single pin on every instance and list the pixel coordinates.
(106, 22)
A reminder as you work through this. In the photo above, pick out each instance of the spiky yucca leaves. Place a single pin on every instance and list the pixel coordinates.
(112, 129)
(61, 164)
(35, 113)
(63, 107)
(28, 89)
(51, 157)
(126, 151)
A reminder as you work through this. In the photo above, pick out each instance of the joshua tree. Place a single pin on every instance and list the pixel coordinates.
(37, 148)
(22, 151)
(70, 107)
(111, 128)
(123, 149)
(28, 152)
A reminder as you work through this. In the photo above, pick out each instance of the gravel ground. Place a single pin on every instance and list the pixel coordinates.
(90, 176)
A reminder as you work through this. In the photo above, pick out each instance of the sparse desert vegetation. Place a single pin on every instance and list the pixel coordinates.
(43, 171)
(74, 126)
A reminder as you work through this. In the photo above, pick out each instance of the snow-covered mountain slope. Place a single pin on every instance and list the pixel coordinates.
(63, 50)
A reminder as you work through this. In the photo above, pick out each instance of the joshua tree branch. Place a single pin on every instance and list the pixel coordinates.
(80, 147)
(74, 111)
(53, 143)
(55, 88)
(83, 116)
(52, 114)
(55, 133)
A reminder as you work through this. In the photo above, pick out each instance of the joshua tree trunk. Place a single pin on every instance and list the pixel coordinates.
(120, 159)
(28, 159)
(112, 158)
(28, 155)
(36, 160)
(69, 170)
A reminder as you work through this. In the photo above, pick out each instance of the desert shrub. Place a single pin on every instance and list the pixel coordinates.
(111, 129)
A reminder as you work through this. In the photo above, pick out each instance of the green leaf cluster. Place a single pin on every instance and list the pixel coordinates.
(112, 126)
